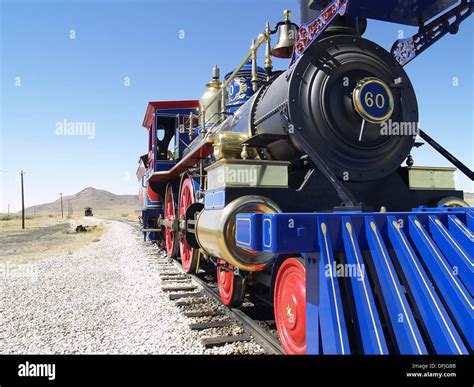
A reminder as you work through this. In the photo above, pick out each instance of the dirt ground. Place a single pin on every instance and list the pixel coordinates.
(44, 235)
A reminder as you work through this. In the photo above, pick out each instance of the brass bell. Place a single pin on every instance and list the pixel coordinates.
(287, 37)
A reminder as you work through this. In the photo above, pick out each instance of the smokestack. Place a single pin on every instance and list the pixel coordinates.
(309, 9)
(341, 24)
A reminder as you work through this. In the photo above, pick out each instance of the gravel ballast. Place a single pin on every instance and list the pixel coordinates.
(104, 298)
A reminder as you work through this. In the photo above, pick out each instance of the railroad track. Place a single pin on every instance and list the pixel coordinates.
(198, 298)
(191, 291)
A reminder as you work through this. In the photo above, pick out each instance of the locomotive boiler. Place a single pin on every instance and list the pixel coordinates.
(332, 134)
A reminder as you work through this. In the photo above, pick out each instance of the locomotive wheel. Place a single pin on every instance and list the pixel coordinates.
(290, 306)
(452, 201)
(189, 255)
(170, 236)
(232, 288)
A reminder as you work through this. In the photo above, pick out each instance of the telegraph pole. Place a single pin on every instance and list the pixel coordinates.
(22, 201)
(62, 212)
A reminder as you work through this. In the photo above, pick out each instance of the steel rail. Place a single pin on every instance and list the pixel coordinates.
(265, 339)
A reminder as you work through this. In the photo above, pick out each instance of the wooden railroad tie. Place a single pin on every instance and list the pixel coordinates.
(210, 324)
(177, 274)
(204, 313)
(193, 302)
(177, 279)
(222, 340)
(177, 296)
(179, 288)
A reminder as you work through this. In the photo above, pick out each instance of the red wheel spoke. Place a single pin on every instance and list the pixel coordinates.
(290, 306)
(169, 215)
(189, 256)
(231, 287)
(225, 280)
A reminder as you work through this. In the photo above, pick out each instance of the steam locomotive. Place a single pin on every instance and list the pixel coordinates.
(275, 177)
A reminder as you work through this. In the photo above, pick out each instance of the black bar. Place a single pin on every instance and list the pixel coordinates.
(457, 163)
(270, 370)
(342, 191)
(344, 194)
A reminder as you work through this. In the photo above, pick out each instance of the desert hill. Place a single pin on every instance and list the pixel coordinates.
(90, 197)
(101, 200)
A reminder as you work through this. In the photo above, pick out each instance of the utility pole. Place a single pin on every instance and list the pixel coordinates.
(22, 201)
(62, 212)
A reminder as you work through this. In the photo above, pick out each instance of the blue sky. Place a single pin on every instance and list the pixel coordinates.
(47, 77)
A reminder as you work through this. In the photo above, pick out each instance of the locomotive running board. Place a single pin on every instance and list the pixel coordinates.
(378, 283)
(203, 150)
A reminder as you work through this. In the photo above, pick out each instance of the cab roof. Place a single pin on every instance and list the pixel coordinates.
(408, 12)
(167, 105)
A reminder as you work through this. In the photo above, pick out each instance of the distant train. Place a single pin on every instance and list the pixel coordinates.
(293, 184)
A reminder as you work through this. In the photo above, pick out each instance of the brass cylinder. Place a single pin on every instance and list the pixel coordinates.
(228, 145)
(215, 232)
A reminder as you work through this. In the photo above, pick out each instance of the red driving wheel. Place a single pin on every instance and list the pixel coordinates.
(290, 306)
(189, 255)
(232, 287)
(169, 215)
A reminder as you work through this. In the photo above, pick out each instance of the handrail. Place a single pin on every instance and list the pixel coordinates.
(265, 37)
